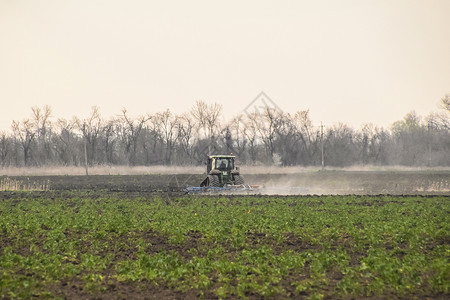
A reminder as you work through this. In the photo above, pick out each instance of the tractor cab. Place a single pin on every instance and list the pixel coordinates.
(224, 164)
(221, 171)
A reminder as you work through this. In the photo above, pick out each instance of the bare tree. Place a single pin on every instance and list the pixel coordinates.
(238, 130)
(340, 142)
(364, 139)
(438, 138)
(269, 120)
(445, 102)
(24, 132)
(168, 126)
(5, 148)
(41, 119)
(207, 117)
(265, 135)
(43, 128)
(409, 137)
(185, 134)
(306, 136)
(285, 141)
(65, 143)
(251, 133)
(442, 119)
(90, 129)
(109, 140)
(131, 131)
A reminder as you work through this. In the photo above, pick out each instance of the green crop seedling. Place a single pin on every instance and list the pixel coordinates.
(225, 247)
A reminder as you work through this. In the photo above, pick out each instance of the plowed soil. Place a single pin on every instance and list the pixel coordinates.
(322, 182)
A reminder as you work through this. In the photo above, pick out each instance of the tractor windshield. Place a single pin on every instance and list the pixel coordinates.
(224, 164)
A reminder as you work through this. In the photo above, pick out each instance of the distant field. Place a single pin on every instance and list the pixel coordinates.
(105, 244)
(361, 182)
(199, 169)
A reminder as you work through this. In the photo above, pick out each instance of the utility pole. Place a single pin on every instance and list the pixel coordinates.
(85, 150)
(321, 139)
(429, 143)
(85, 157)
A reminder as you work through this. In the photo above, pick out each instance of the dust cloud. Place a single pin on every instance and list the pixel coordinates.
(360, 180)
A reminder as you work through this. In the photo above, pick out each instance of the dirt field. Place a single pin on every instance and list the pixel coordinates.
(318, 182)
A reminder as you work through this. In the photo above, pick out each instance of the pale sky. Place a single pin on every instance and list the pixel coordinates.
(367, 61)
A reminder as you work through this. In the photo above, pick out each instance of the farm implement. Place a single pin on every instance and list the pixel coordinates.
(247, 190)
(227, 189)
(222, 177)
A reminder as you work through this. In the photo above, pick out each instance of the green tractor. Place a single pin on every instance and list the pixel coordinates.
(221, 172)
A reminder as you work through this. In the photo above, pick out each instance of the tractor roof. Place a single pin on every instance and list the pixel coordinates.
(222, 156)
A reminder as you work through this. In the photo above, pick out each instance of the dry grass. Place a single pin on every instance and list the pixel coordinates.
(9, 184)
(143, 170)
(101, 170)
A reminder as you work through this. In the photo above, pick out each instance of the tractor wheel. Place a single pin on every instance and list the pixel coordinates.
(213, 180)
(238, 179)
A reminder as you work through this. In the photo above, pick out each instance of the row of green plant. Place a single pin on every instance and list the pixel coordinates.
(227, 246)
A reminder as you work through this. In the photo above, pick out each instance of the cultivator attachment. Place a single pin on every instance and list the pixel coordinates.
(227, 189)
(247, 190)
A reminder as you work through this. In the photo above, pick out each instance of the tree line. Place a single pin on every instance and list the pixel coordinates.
(265, 136)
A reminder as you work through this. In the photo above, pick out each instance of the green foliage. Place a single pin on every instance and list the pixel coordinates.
(229, 246)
